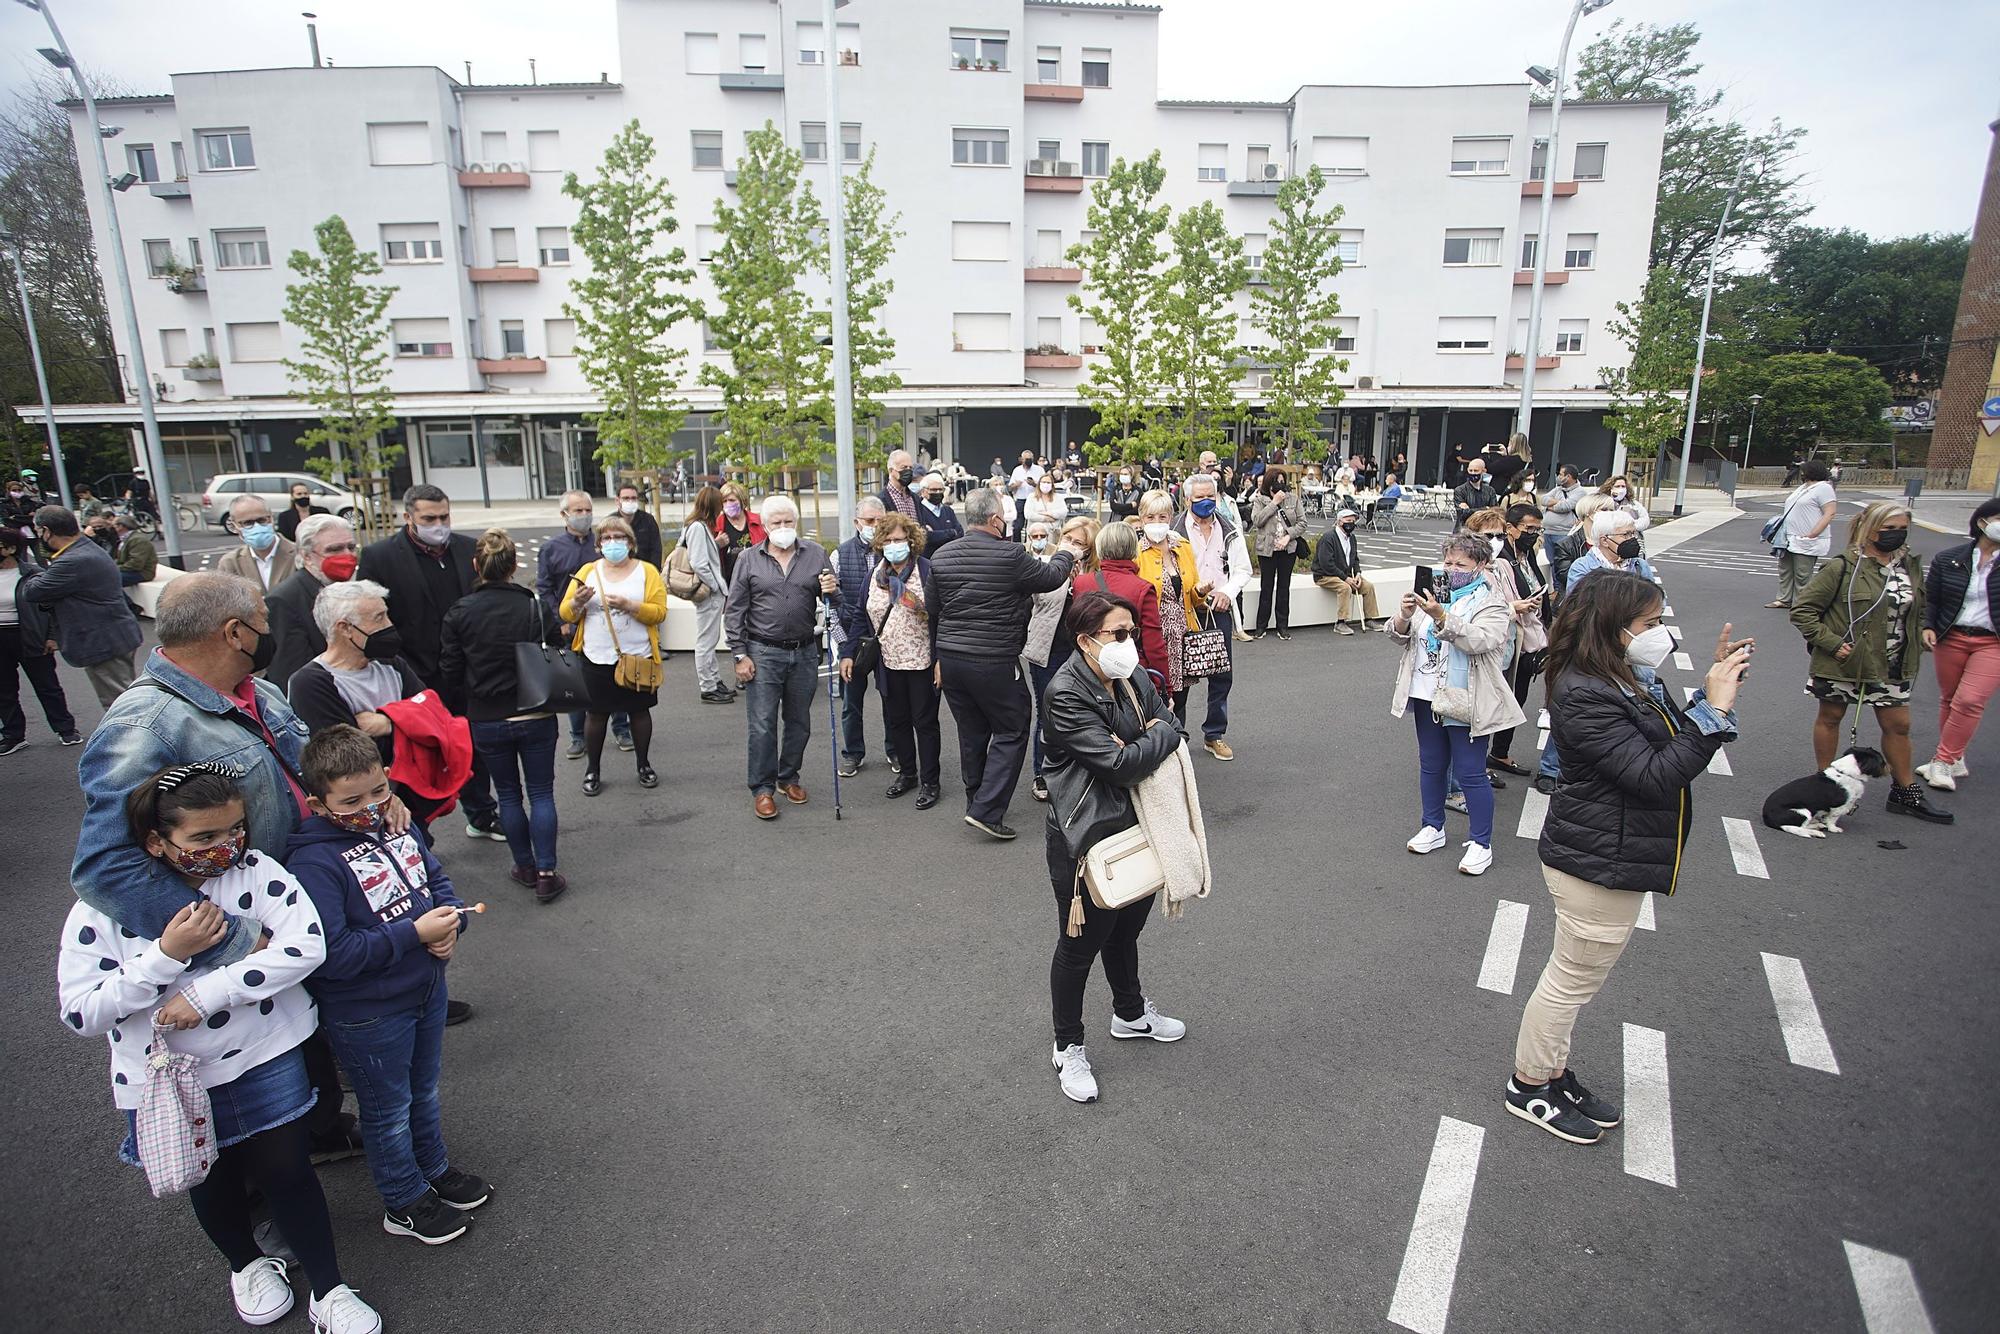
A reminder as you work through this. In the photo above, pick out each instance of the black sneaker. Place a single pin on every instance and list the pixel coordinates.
(343, 1141)
(1543, 1105)
(456, 1012)
(71, 738)
(1545, 785)
(849, 768)
(1912, 800)
(8, 745)
(625, 741)
(716, 697)
(430, 1220)
(1581, 1098)
(461, 1190)
(996, 829)
(1040, 788)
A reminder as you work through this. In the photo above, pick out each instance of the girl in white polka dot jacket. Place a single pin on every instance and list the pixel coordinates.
(242, 1022)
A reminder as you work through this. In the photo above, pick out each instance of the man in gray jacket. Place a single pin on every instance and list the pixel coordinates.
(94, 626)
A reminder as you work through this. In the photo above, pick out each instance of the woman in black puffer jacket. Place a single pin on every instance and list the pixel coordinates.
(1618, 821)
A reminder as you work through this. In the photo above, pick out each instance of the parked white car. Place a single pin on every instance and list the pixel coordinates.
(275, 489)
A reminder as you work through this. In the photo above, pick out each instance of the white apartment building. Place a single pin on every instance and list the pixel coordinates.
(989, 120)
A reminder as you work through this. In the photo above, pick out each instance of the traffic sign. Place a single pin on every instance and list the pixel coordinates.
(1991, 408)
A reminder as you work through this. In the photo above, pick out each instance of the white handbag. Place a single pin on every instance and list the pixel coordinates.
(1123, 869)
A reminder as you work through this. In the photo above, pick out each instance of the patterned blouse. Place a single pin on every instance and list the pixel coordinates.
(906, 633)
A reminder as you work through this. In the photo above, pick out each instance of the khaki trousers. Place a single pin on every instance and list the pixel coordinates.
(1592, 925)
(1345, 589)
(109, 678)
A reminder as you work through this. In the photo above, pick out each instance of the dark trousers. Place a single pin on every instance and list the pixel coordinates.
(40, 669)
(1039, 678)
(853, 726)
(785, 683)
(1527, 666)
(477, 794)
(1020, 521)
(323, 1073)
(989, 702)
(277, 1161)
(621, 725)
(1275, 585)
(1110, 934)
(1216, 724)
(910, 708)
(129, 578)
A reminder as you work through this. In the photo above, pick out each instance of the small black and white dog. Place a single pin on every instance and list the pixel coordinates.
(1813, 807)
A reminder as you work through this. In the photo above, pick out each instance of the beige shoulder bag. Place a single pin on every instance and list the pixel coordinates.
(635, 671)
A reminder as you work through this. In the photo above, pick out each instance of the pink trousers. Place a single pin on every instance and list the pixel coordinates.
(1968, 672)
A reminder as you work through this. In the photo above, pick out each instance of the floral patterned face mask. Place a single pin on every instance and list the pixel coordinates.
(364, 821)
(208, 863)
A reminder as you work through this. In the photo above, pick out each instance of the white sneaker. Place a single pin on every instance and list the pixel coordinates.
(1073, 1064)
(1428, 839)
(1455, 801)
(1476, 859)
(1152, 1024)
(1938, 774)
(262, 1291)
(343, 1312)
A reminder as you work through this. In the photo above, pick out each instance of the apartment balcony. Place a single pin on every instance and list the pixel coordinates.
(1047, 358)
(186, 281)
(1267, 188)
(512, 365)
(1052, 92)
(493, 176)
(211, 373)
(1053, 177)
(751, 82)
(169, 189)
(1533, 189)
(505, 273)
(1553, 278)
(1052, 273)
(1517, 362)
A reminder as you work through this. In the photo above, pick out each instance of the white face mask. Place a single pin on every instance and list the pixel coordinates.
(1125, 477)
(1650, 648)
(628, 507)
(1156, 532)
(1992, 531)
(1119, 661)
(784, 538)
(1497, 542)
(1619, 493)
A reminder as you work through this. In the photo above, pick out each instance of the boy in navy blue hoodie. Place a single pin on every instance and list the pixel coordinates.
(392, 921)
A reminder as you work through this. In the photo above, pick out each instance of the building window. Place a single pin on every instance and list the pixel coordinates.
(1253, 251)
(1469, 249)
(705, 238)
(1048, 331)
(412, 243)
(1340, 155)
(1048, 150)
(751, 49)
(448, 444)
(1589, 162)
(492, 145)
(1580, 252)
(1465, 333)
(1212, 162)
(399, 143)
(972, 49)
(812, 140)
(1569, 335)
(174, 347)
(708, 343)
(1096, 67)
(254, 342)
(979, 148)
(245, 249)
(980, 331)
(985, 242)
(159, 258)
(544, 150)
(704, 53)
(708, 150)
(226, 150)
(1479, 157)
(194, 251)
(180, 160)
(421, 338)
(505, 251)
(513, 338)
(850, 142)
(1048, 249)
(559, 337)
(142, 161)
(1350, 248)
(1538, 161)
(1048, 64)
(812, 44)
(1529, 244)
(552, 243)
(1345, 330)
(1096, 159)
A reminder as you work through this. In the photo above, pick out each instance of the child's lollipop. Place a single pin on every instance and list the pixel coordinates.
(477, 907)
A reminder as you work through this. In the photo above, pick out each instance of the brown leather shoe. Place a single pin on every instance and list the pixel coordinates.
(794, 794)
(767, 806)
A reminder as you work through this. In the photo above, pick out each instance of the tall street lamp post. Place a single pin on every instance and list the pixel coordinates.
(41, 374)
(843, 370)
(1755, 399)
(1701, 341)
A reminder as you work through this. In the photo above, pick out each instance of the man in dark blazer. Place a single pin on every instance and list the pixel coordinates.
(426, 568)
(94, 626)
(1337, 569)
(327, 554)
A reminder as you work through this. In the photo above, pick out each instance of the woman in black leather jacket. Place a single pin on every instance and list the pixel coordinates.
(1618, 821)
(1104, 731)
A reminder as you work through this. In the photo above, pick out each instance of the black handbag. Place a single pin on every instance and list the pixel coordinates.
(547, 679)
(867, 654)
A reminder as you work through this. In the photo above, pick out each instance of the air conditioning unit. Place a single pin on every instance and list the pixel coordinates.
(1274, 171)
(850, 57)
(511, 166)
(1049, 167)
(1264, 383)
(479, 166)
(1365, 382)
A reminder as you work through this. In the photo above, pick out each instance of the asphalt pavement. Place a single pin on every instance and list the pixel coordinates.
(795, 1075)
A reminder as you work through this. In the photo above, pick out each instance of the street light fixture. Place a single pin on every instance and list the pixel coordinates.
(1701, 339)
(41, 373)
(122, 183)
(1755, 399)
(1554, 83)
(843, 371)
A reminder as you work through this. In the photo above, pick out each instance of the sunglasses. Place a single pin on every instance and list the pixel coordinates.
(1120, 635)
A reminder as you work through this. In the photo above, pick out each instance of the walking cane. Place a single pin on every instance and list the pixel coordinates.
(832, 694)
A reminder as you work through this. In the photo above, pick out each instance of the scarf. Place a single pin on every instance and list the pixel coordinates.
(1471, 590)
(899, 590)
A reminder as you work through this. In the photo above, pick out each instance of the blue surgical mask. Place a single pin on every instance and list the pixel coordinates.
(1204, 508)
(896, 552)
(616, 550)
(259, 536)
(865, 531)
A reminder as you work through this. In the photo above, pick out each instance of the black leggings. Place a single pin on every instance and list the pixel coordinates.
(278, 1162)
(1275, 585)
(1527, 667)
(1112, 934)
(595, 725)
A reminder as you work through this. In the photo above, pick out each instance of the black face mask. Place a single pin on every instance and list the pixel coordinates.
(1526, 541)
(904, 475)
(267, 647)
(1628, 549)
(1890, 539)
(300, 502)
(384, 645)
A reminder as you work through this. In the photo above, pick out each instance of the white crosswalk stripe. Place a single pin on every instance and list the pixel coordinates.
(1805, 1036)
(1646, 921)
(1534, 809)
(1648, 1131)
(1430, 1260)
(1887, 1289)
(1503, 947)
(1683, 661)
(1718, 763)
(1743, 848)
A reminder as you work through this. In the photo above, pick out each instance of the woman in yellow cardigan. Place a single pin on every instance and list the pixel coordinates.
(617, 603)
(1167, 562)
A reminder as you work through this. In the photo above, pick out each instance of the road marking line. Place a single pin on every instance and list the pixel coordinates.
(1689, 692)
(1683, 661)
(1718, 763)
(1646, 922)
(1534, 809)
(1542, 742)
(1543, 721)
(1649, 1112)
(1805, 1037)
(1503, 947)
(1669, 612)
(1675, 631)
(1887, 1287)
(1743, 848)
(1430, 1261)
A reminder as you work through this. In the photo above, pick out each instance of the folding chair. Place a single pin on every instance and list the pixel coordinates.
(1385, 513)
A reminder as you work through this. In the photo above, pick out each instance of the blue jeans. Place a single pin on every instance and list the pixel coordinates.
(785, 683)
(1551, 765)
(1550, 541)
(1441, 748)
(621, 727)
(523, 750)
(392, 1061)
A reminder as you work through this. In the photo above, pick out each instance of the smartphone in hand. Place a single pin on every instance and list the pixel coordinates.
(1424, 585)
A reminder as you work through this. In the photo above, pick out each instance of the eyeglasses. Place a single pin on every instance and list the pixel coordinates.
(1121, 634)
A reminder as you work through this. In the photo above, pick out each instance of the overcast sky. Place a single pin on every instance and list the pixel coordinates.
(1897, 97)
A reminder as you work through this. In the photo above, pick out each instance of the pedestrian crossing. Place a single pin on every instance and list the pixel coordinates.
(1728, 560)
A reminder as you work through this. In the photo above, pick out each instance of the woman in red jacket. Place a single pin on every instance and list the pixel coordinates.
(1115, 570)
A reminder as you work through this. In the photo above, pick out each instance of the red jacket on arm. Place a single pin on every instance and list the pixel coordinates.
(433, 746)
(1122, 577)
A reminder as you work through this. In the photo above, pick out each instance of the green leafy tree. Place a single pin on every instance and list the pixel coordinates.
(342, 367)
(777, 402)
(1195, 330)
(1891, 303)
(1296, 308)
(1702, 149)
(1121, 281)
(1814, 396)
(626, 308)
(1648, 395)
(872, 232)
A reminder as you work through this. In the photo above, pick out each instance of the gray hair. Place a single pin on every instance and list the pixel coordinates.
(1206, 479)
(1608, 521)
(258, 500)
(868, 503)
(342, 602)
(311, 527)
(1117, 541)
(568, 496)
(982, 507)
(194, 607)
(1475, 549)
(775, 504)
(935, 479)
